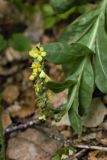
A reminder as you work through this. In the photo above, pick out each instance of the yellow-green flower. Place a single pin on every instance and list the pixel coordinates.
(49, 94)
(37, 53)
(47, 79)
(32, 77)
(42, 74)
(32, 53)
(36, 65)
(39, 58)
(43, 117)
(37, 87)
(35, 74)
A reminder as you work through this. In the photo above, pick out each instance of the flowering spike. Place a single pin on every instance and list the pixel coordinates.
(38, 54)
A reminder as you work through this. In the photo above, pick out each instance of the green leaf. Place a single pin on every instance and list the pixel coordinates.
(73, 69)
(106, 20)
(87, 29)
(77, 74)
(101, 57)
(63, 5)
(20, 42)
(61, 53)
(58, 87)
(3, 43)
(56, 157)
(74, 117)
(49, 22)
(77, 29)
(48, 10)
(63, 151)
(86, 87)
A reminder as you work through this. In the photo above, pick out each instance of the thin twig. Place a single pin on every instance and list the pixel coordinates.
(78, 154)
(82, 146)
(91, 147)
(21, 126)
(37, 122)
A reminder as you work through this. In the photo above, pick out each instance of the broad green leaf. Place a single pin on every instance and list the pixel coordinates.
(74, 117)
(86, 86)
(20, 42)
(89, 38)
(63, 5)
(73, 68)
(101, 57)
(87, 29)
(79, 27)
(48, 10)
(61, 53)
(3, 43)
(106, 20)
(49, 22)
(78, 75)
(76, 66)
(58, 87)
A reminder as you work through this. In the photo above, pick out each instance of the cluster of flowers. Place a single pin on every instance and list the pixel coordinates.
(38, 54)
(39, 77)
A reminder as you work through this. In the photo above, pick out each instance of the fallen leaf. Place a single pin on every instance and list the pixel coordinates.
(104, 141)
(10, 93)
(6, 120)
(92, 155)
(95, 114)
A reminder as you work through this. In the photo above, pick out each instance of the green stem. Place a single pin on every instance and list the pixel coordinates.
(71, 99)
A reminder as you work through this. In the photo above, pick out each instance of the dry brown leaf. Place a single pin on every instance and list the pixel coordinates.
(10, 93)
(96, 113)
(104, 141)
(92, 155)
(6, 120)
